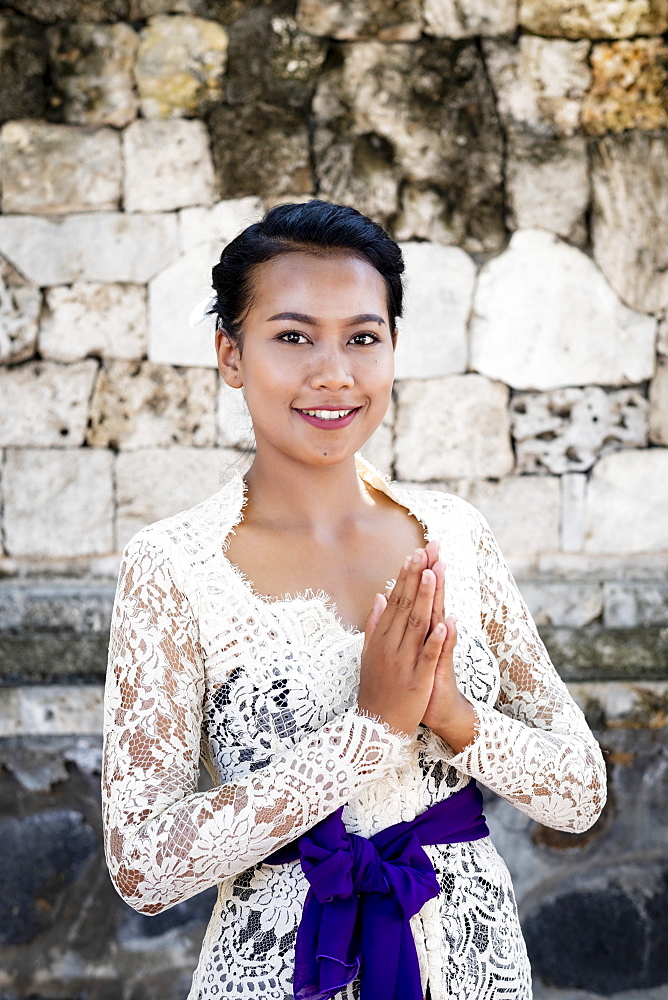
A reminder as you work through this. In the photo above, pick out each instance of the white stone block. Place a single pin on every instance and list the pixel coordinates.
(658, 403)
(222, 222)
(20, 305)
(547, 185)
(61, 710)
(627, 503)
(541, 83)
(379, 449)
(180, 66)
(43, 404)
(9, 712)
(439, 292)
(544, 317)
(563, 604)
(159, 482)
(452, 428)
(172, 296)
(52, 169)
(630, 185)
(234, 427)
(573, 503)
(107, 321)
(522, 511)
(58, 502)
(105, 246)
(469, 18)
(146, 406)
(167, 165)
(628, 604)
(662, 335)
(398, 21)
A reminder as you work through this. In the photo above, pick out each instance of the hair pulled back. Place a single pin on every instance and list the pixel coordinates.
(316, 227)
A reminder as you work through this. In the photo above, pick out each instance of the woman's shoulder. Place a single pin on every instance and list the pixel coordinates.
(434, 504)
(190, 533)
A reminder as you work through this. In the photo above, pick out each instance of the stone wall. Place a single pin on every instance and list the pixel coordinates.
(518, 150)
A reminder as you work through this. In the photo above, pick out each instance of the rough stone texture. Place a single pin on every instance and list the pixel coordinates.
(547, 185)
(151, 406)
(167, 165)
(172, 295)
(567, 430)
(457, 19)
(545, 317)
(107, 321)
(20, 305)
(594, 18)
(52, 169)
(260, 149)
(109, 247)
(234, 428)
(439, 284)
(180, 66)
(571, 604)
(222, 222)
(541, 83)
(631, 197)
(160, 482)
(523, 511)
(397, 21)
(270, 59)
(469, 429)
(51, 11)
(629, 88)
(43, 404)
(92, 73)
(630, 604)
(23, 59)
(423, 114)
(58, 502)
(627, 503)
(658, 405)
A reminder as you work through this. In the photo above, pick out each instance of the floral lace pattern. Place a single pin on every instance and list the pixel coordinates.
(265, 692)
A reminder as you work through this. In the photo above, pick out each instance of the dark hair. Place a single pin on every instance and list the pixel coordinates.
(316, 227)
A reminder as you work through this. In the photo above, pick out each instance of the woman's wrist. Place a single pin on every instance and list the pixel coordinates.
(458, 727)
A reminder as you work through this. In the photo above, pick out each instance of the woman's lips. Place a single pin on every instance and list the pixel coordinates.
(328, 423)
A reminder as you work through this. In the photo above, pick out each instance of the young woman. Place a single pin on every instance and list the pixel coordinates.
(344, 719)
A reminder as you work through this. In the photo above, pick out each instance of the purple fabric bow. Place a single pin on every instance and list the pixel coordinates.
(362, 895)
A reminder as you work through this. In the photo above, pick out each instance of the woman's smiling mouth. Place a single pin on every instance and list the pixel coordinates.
(330, 419)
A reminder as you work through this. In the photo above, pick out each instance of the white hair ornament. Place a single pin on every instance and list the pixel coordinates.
(203, 310)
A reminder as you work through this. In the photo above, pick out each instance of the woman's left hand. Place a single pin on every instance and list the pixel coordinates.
(449, 714)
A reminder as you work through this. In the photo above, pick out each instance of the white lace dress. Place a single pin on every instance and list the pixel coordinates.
(265, 690)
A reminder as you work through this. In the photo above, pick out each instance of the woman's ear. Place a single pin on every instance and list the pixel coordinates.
(228, 359)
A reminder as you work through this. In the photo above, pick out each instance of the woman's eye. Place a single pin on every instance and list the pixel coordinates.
(293, 337)
(363, 339)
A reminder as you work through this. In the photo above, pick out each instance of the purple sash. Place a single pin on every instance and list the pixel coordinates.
(362, 895)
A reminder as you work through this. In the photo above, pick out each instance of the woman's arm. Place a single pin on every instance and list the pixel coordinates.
(534, 748)
(164, 840)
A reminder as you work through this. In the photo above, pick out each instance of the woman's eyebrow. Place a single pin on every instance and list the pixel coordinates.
(313, 321)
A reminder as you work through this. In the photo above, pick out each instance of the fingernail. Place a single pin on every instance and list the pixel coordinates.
(417, 556)
(425, 576)
(440, 629)
(407, 562)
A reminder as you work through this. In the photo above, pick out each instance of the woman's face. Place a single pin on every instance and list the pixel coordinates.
(317, 358)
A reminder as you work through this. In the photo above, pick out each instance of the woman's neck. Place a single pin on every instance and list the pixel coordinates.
(292, 496)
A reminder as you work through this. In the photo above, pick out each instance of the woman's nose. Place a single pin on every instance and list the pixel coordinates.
(331, 371)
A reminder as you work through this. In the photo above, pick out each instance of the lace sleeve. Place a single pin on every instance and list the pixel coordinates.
(164, 840)
(534, 748)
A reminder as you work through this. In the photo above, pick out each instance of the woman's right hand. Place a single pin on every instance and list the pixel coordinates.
(400, 653)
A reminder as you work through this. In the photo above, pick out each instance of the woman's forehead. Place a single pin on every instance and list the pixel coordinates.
(333, 284)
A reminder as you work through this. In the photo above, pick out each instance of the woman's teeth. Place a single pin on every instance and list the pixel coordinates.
(328, 414)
